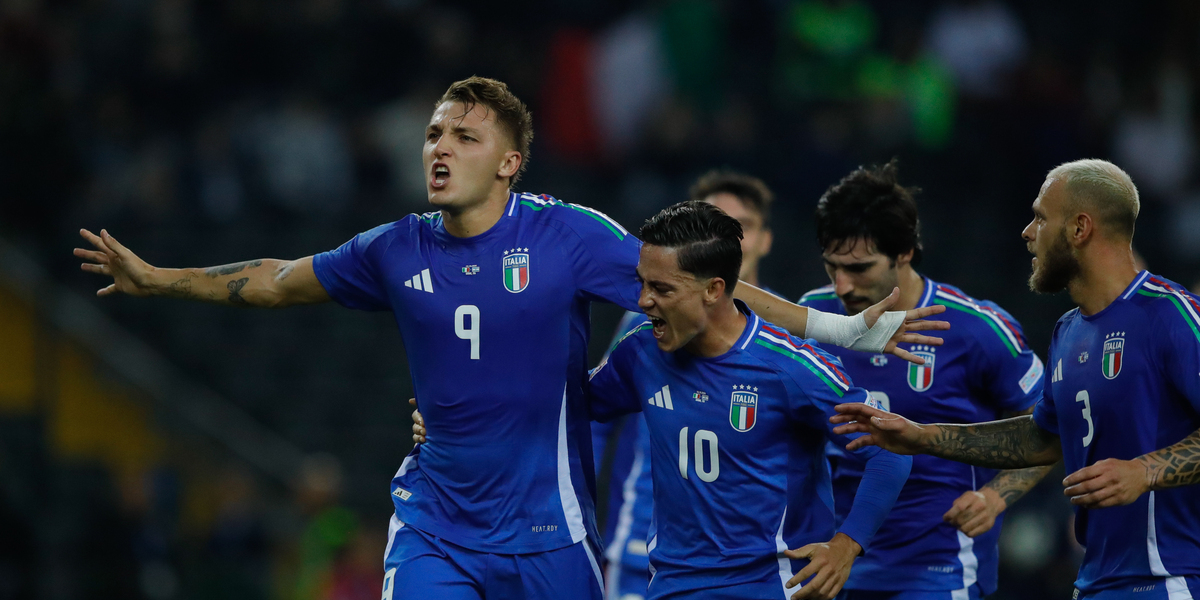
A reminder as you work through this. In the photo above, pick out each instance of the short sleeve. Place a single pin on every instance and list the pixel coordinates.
(1181, 346)
(611, 391)
(606, 264)
(815, 385)
(1010, 371)
(1045, 415)
(350, 273)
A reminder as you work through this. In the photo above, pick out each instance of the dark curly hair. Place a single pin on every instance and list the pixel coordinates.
(870, 204)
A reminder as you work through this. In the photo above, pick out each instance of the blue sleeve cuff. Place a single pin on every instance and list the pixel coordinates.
(881, 483)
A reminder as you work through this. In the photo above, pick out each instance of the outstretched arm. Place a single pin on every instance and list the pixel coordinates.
(1014, 443)
(265, 282)
(849, 332)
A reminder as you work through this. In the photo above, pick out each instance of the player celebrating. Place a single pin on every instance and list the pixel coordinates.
(736, 410)
(1122, 403)
(747, 199)
(491, 295)
(939, 541)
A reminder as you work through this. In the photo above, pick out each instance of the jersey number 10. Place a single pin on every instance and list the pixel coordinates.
(704, 438)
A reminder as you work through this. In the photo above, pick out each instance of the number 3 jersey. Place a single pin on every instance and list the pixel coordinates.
(1121, 383)
(983, 370)
(496, 331)
(737, 447)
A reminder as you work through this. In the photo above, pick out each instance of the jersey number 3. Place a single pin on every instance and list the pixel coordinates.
(1082, 396)
(465, 330)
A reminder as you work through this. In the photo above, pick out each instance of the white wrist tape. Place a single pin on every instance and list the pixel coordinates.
(852, 332)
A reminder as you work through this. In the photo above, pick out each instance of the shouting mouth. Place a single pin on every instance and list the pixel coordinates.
(441, 173)
(660, 326)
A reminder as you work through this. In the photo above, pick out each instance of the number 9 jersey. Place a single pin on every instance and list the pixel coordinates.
(1121, 383)
(496, 331)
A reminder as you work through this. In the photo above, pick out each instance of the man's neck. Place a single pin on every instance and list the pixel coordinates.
(750, 276)
(1105, 271)
(725, 326)
(476, 218)
(912, 287)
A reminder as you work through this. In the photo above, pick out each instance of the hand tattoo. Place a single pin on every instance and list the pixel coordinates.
(235, 288)
(1014, 443)
(231, 269)
(1175, 465)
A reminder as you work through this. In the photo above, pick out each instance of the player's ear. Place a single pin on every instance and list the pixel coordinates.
(510, 164)
(1081, 228)
(904, 259)
(714, 290)
(767, 238)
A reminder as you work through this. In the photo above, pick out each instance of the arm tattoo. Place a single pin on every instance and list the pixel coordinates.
(1175, 465)
(1014, 443)
(285, 270)
(181, 288)
(1012, 484)
(235, 288)
(233, 268)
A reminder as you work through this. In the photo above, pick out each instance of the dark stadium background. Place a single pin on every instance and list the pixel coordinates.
(157, 449)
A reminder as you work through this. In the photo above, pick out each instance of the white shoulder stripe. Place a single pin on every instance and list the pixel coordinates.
(607, 218)
(985, 312)
(811, 358)
(1182, 300)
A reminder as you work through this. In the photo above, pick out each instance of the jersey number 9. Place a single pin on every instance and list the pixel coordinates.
(465, 331)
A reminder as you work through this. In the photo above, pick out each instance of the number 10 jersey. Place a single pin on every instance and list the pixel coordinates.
(496, 331)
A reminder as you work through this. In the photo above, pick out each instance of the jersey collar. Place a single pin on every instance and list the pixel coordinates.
(927, 295)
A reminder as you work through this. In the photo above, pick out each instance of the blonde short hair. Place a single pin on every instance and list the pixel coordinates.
(1103, 190)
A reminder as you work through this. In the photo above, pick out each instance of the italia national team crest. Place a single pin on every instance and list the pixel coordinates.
(743, 407)
(920, 377)
(1114, 354)
(516, 269)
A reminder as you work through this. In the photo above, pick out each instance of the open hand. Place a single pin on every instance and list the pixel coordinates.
(828, 565)
(131, 275)
(912, 322)
(887, 430)
(1109, 482)
(418, 424)
(974, 513)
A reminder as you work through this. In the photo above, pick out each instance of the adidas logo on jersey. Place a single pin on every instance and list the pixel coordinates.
(1057, 372)
(421, 282)
(662, 398)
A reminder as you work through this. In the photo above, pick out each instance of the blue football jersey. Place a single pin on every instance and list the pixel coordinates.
(737, 448)
(496, 331)
(984, 369)
(630, 487)
(1124, 382)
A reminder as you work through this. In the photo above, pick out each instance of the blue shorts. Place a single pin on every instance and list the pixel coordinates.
(1166, 588)
(971, 593)
(763, 579)
(626, 582)
(418, 565)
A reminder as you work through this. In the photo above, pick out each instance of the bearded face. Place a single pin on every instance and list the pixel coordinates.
(1056, 266)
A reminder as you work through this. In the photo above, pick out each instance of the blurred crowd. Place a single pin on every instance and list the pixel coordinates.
(202, 132)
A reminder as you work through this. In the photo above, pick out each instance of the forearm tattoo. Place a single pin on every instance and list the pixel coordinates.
(235, 290)
(1012, 484)
(1014, 443)
(181, 288)
(1176, 465)
(233, 268)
